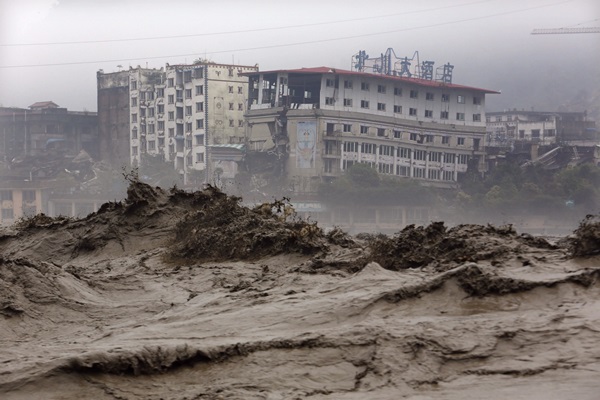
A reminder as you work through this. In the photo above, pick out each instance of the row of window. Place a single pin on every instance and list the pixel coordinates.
(417, 137)
(404, 152)
(179, 94)
(413, 93)
(365, 104)
(401, 170)
(27, 195)
(189, 158)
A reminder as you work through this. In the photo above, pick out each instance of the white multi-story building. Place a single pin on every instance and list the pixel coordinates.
(320, 121)
(178, 112)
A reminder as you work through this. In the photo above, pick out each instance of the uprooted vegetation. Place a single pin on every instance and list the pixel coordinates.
(586, 238)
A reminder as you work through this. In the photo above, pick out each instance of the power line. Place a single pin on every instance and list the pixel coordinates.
(242, 31)
(287, 44)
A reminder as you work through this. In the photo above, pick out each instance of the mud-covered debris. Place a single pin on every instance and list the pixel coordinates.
(419, 246)
(220, 228)
(586, 238)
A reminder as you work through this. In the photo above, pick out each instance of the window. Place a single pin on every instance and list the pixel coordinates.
(463, 158)
(199, 106)
(429, 138)
(347, 102)
(460, 141)
(240, 106)
(435, 156)
(350, 147)
(151, 145)
(397, 91)
(188, 126)
(460, 99)
(179, 111)
(240, 90)
(151, 112)
(188, 143)
(329, 101)
(403, 152)
(171, 99)
(428, 96)
(445, 98)
(133, 85)
(397, 134)
(449, 158)
(419, 172)
(171, 132)
(161, 125)
(170, 82)
(420, 155)
(414, 94)
(364, 129)
(364, 86)
(171, 116)
(188, 93)
(231, 123)
(188, 110)
(381, 106)
(477, 117)
(413, 136)
(380, 132)
(535, 133)
(199, 124)
(444, 115)
(189, 160)
(347, 128)
(433, 174)
(477, 101)
(445, 139)
(161, 108)
(448, 175)
(240, 123)
(429, 113)
(230, 106)
(498, 118)
(230, 72)
(199, 73)
(230, 88)
(200, 140)
(330, 82)
(160, 92)
(199, 90)
(460, 116)
(380, 88)
(412, 111)
(134, 118)
(368, 148)
(386, 150)
(151, 128)
(364, 104)
(347, 84)
(397, 109)
(7, 213)
(200, 157)
(179, 94)
(402, 170)
(142, 112)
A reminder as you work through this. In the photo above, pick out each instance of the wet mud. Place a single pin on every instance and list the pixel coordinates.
(172, 295)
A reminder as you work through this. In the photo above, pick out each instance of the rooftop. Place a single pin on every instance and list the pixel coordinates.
(416, 81)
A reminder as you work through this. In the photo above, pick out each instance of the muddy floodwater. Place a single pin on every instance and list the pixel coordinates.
(175, 295)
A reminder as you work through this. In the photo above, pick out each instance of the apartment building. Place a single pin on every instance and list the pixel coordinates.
(506, 128)
(320, 121)
(178, 112)
(44, 126)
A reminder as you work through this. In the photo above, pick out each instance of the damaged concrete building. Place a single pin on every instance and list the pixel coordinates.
(177, 113)
(317, 122)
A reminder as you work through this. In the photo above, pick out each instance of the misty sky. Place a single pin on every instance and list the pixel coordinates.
(489, 42)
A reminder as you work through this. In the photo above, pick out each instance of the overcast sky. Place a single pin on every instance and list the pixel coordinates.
(489, 42)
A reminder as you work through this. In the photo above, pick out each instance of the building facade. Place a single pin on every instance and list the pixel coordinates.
(320, 121)
(176, 113)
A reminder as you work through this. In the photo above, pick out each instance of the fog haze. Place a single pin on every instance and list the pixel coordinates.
(489, 42)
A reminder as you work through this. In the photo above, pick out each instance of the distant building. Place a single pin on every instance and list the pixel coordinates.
(44, 127)
(507, 128)
(177, 112)
(317, 122)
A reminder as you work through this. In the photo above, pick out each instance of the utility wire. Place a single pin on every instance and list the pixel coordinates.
(288, 44)
(244, 30)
